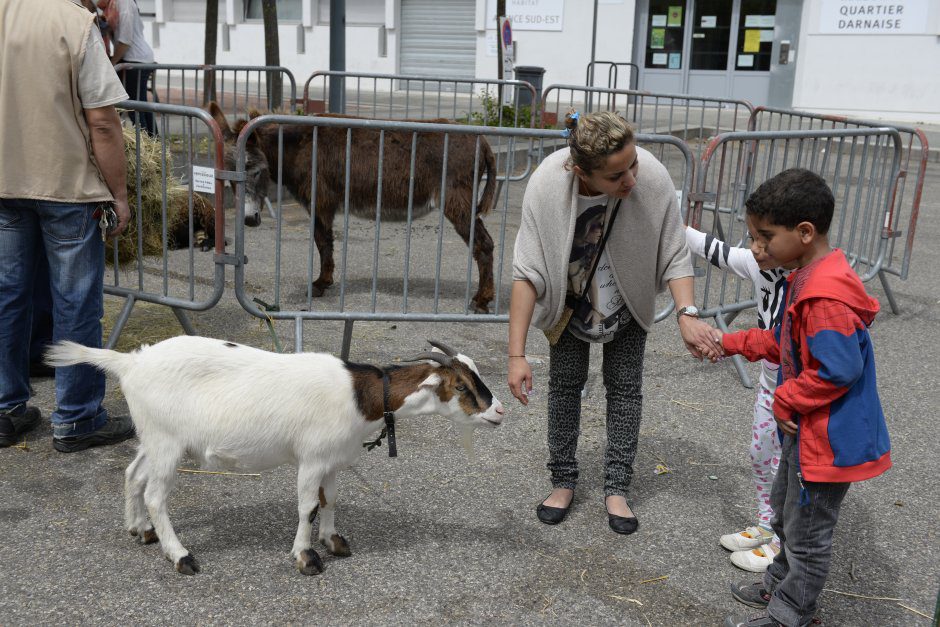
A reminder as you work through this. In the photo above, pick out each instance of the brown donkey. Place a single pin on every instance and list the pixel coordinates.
(297, 168)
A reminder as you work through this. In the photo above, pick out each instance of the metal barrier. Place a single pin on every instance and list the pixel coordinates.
(906, 204)
(862, 167)
(158, 259)
(390, 266)
(613, 74)
(695, 119)
(237, 87)
(474, 101)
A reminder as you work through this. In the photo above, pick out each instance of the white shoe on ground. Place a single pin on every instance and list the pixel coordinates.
(750, 538)
(756, 560)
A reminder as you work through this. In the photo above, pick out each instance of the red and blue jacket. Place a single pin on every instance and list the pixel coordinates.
(831, 392)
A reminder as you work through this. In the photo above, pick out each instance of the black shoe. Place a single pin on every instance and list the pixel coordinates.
(750, 593)
(116, 429)
(14, 423)
(39, 370)
(552, 515)
(758, 621)
(624, 525)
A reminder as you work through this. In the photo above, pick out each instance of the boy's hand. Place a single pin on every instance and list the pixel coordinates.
(787, 426)
(701, 339)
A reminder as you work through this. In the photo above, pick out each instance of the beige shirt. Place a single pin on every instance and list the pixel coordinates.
(45, 146)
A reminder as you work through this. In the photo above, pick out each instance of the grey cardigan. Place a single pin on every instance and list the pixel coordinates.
(647, 247)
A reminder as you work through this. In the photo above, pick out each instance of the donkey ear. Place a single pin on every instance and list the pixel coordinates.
(220, 119)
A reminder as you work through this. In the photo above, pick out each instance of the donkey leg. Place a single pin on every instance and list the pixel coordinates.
(135, 511)
(323, 237)
(482, 254)
(307, 560)
(161, 476)
(334, 542)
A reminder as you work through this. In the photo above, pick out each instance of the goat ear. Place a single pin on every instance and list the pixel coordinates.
(253, 113)
(220, 119)
(444, 348)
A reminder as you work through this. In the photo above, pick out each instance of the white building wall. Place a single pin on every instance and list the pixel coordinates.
(564, 54)
(890, 77)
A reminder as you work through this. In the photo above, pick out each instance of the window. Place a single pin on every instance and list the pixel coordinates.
(755, 35)
(290, 10)
(665, 30)
(358, 12)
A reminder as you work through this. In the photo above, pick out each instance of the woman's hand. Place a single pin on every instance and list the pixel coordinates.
(701, 339)
(520, 378)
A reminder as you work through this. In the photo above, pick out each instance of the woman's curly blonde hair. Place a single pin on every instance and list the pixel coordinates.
(593, 137)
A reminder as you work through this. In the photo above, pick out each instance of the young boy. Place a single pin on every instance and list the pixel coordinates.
(826, 402)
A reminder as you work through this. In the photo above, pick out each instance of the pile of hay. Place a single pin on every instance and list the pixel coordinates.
(151, 201)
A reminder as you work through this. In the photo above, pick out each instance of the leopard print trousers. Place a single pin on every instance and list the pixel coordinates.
(623, 380)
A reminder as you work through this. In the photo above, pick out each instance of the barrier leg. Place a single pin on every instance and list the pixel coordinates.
(889, 293)
(298, 335)
(184, 321)
(120, 322)
(737, 360)
(347, 338)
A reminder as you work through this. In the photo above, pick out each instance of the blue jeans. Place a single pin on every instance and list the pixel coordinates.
(798, 573)
(75, 253)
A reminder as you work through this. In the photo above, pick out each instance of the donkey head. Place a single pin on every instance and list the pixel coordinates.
(257, 175)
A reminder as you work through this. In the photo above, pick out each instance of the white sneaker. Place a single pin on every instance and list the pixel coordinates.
(756, 560)
(750, 538)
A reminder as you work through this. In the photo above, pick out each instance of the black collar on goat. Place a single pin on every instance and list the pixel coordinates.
(389, 429)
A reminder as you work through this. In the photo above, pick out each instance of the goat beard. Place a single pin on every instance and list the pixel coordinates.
(466, 440)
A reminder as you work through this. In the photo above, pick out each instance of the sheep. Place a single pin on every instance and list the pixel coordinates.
(235, 407)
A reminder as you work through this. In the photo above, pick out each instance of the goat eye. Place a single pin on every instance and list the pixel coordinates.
(461, 388)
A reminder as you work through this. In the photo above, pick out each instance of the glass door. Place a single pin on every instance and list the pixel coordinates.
(664, 46)
(711, 29)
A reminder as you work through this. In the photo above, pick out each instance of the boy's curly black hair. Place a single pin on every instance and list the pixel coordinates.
(793, 196)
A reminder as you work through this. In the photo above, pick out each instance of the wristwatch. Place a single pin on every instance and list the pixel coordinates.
(688, 310)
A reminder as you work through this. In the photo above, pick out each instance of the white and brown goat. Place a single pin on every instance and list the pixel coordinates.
(234, 407)
(293, 146)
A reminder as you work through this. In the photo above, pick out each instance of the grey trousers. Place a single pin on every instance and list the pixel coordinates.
(623, 380)
(798, 573)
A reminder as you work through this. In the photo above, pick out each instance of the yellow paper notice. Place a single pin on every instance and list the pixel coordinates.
(752, 41)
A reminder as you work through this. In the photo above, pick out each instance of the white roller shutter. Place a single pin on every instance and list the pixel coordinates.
(438, 38)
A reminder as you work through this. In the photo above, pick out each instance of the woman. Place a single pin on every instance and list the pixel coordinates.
(645, 251)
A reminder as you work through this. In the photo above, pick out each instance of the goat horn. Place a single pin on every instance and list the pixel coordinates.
(444, 360)
(444, 347)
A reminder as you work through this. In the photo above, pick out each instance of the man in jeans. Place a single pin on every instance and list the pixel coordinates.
(61, 164)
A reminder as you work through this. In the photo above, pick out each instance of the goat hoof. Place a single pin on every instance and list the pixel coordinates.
(337, 546)
(481, 309)
(309, 563)
(149, 536)
(187, 565)
(317, 290)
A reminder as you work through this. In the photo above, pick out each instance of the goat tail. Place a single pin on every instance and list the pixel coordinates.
(67, 353)
(489, 191)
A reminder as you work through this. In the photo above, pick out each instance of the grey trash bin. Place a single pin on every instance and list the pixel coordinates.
(531, 74)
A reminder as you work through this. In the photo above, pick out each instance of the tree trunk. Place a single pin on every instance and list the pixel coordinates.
(272, 52)
(212, 44)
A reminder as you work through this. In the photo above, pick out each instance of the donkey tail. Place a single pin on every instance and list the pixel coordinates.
(489, 191)
(67, 353)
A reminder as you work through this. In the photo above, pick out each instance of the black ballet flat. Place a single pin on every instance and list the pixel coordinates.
(622, 525)
(552, 515)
